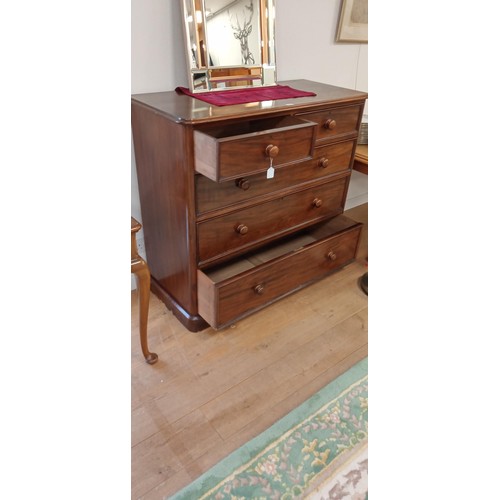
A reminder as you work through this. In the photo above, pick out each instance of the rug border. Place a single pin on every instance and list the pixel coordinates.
(249, 450)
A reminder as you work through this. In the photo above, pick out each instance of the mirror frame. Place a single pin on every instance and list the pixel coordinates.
(207, 78)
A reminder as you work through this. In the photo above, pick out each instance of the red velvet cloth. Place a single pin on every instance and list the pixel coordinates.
(242, 96)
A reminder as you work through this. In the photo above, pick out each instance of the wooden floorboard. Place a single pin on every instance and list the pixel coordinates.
(210, 392)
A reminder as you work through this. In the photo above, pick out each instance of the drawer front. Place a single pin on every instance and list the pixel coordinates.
(336, 122)
(327, 160)
(220, 156)
(224, 302)
(243, 229)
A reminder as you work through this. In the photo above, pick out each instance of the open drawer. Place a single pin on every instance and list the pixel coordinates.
(327, 160)
(245, 229)
(232, 291)
(229, 151)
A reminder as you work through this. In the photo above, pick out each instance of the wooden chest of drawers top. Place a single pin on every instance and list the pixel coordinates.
(184, 109)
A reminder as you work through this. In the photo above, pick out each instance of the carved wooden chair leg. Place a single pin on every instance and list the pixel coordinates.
(141, 270)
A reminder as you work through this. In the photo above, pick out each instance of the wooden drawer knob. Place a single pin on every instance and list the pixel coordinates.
(243, 184)
(317, 202)
(272, 151)
(323, 162)
(330, 124)
(331, 255)
(241, 229)
(259, 289)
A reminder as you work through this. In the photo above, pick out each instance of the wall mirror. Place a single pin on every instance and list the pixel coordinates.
(229, 43)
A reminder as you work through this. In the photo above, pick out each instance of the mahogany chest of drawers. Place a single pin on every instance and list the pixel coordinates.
(225, 234)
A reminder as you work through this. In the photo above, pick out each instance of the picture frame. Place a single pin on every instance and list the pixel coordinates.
(353, 22)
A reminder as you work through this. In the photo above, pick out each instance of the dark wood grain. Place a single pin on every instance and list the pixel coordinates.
(211, 196)
(191, 222)
(249, 291)
(166, 189)
(346, 121)
(218, 237)
(228, 153)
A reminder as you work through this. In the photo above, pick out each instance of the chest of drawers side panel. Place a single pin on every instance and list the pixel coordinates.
(163, 151)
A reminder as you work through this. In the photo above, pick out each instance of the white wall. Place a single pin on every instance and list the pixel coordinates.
(305, 48)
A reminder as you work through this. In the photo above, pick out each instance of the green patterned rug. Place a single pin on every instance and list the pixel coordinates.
(319, 450)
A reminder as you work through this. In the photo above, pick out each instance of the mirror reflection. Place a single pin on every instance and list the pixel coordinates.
(230, 43)
(230, 29)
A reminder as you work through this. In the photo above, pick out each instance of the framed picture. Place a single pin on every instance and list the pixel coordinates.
(353, 22)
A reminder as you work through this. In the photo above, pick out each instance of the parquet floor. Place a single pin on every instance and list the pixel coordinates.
(210, 392)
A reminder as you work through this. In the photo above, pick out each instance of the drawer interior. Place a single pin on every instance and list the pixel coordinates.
(229, 292)
(220, 237)
(252, 127)
(276, 251)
